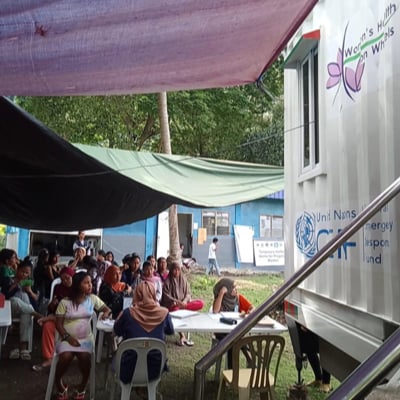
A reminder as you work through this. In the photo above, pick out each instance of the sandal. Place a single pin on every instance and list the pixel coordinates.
(64, 394)
(14, 354)
(188, 343)
(25, 355)
(325, 388)
(42, 366)
(179, 343)
(37, 367)
(79, 395)
(315, 383)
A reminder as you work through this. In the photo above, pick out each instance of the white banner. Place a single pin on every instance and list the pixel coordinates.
(269, 252)
(244, 243)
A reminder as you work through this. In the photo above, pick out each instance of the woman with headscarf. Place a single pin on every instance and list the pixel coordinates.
(176, 295)
(227, 298)
(112, 290)
(144, 318)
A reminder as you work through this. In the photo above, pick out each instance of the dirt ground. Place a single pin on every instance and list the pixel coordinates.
(18, 380)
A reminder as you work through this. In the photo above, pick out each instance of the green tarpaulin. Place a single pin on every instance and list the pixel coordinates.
(199, 181)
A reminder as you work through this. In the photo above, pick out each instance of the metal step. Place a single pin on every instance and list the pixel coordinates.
(387, 391)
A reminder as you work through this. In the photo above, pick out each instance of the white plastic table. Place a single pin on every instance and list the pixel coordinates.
(5, 322)
(210, 323)
(196, 322)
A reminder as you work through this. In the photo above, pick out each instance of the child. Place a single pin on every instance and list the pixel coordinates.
(19, 291)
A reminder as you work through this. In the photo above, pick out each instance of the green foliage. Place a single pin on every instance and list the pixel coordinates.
(240, 123)
(125, 122)
(265, 147)
(2, 236)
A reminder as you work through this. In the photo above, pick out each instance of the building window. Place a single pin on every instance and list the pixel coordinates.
(309, 111)
(271, 226)
(216, 223)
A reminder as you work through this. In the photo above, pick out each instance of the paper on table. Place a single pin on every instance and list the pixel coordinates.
(183, 313)
(266, 321)
(127, 302)
(179, 323)
(231, 314)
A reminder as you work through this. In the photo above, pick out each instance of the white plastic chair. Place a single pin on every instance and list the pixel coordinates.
(81, 270)
(55, 282)
(92, 385)
(142, 346)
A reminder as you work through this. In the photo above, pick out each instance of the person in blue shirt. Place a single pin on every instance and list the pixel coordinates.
(133, 275)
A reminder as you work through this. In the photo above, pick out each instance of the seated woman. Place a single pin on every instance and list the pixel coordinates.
(148, 275)
(48, 323)
(73, 324)
(8, 265)
(227, 298)
(112, 290)
(77, 261)
(176, 295)
(110, 258)
(162, 270)
(152, 260)
(19, 291)
(89, 263)
(53, 268)
(133, 275)
(145, 318)
(41, 276)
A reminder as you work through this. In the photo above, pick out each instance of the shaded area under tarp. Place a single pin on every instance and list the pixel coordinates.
(47, 183)
(75, 47)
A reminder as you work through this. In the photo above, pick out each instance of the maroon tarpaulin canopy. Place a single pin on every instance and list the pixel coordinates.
(74, 47)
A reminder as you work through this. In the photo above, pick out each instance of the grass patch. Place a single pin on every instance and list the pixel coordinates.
(179, 382)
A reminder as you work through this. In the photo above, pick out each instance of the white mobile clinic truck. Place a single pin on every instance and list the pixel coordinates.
(342, 149)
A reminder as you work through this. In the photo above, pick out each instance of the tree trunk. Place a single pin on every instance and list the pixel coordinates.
(166, 148)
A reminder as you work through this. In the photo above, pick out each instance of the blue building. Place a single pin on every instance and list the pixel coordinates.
(263, 218)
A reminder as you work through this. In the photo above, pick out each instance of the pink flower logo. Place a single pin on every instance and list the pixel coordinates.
(339, 74)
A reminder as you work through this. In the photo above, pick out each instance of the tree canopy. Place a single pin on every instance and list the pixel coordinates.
(240, 123)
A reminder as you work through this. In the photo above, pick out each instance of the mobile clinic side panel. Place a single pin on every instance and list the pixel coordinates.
(342, 145)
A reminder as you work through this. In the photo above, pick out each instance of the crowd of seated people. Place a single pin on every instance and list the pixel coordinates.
(153, 286)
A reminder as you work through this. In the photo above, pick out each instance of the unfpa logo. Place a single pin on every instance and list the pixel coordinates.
(309, 240)
(306, 238)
